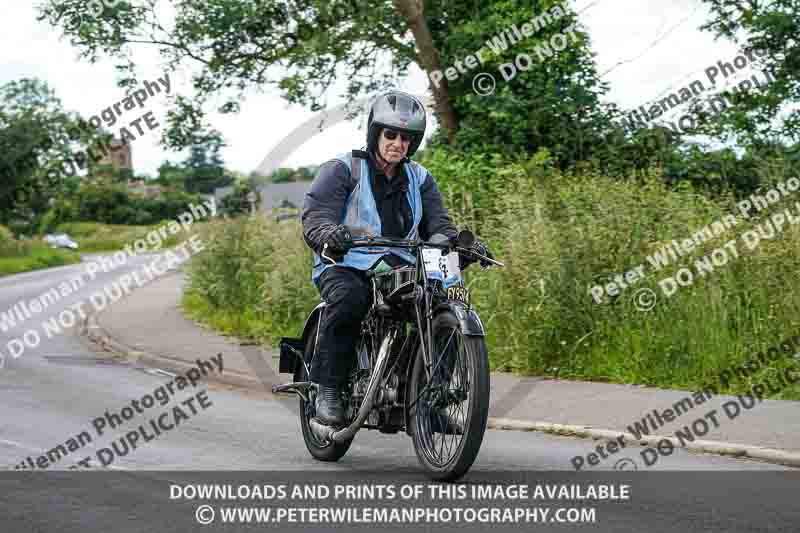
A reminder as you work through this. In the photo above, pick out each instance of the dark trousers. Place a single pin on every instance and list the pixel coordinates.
(348, 295)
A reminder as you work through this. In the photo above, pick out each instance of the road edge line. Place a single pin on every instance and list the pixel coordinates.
(770, 455)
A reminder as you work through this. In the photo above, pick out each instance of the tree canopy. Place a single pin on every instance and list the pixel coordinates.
(309, 48)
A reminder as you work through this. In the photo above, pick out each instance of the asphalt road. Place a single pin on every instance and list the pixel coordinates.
(53, 393)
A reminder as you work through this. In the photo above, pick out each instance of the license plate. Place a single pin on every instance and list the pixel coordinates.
(459, 294)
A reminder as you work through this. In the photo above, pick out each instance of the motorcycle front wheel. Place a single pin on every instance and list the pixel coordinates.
(450, 410)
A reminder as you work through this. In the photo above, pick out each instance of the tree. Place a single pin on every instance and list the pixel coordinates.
(171, 175)
(204, 170)
(304, 46)
(547, 89)
(36, 136)
(761, 117)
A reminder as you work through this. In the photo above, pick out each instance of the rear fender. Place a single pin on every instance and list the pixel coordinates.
(292, 350)
(311, 326)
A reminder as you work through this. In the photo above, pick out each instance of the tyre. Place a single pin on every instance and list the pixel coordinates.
(457, 396)
(322, 451)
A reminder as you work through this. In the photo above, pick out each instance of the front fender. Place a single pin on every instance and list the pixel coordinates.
(468, 319)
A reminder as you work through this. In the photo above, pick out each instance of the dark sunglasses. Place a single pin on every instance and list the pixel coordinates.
(392, 135)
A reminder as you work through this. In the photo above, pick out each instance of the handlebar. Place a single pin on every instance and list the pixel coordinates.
(365, 242)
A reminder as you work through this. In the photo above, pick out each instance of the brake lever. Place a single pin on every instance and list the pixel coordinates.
(482, 257)
(492, 261)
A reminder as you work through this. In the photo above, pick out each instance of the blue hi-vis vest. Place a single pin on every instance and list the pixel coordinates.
(361, 212)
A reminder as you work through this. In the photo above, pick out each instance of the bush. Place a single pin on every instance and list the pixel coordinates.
(8, 244)
(123, 214)
(49, 222)
(111, 204)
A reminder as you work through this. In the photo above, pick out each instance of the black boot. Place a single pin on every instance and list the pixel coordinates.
(329, 406)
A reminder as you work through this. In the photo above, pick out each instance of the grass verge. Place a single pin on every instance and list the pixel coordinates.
(97, 237)
(36, 257)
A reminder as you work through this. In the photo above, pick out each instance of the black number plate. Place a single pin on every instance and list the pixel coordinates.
(460, 294)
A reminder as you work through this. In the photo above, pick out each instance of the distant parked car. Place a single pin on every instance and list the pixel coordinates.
(60, 240)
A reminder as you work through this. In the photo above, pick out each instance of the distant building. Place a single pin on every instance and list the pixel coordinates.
(120, 157)
(281, 195)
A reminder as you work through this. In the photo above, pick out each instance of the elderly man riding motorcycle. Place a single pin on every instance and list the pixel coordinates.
(379, 191)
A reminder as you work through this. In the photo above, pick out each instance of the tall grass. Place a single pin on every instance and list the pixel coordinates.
(558, 235)
(253, 279)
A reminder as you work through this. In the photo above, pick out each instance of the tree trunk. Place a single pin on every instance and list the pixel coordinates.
(428, 57)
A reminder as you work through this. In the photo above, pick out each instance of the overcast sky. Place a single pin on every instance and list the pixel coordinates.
(645, 46)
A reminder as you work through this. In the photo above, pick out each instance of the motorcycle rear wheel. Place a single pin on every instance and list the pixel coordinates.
(322, 451)
(460, 389)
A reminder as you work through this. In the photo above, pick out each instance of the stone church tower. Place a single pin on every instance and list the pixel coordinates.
(120, 156)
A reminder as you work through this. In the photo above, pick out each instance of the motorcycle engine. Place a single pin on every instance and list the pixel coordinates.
(357, 396)
(385, 398)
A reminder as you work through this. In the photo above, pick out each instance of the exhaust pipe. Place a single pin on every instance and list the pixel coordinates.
(369, 398)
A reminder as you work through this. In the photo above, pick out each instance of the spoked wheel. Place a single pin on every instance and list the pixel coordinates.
(449, 417)
(323, 451)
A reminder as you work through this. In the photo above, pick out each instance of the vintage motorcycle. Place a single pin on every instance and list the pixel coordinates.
(421, 367)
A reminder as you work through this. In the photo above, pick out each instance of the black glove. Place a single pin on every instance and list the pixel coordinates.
(479, 248)
(337, 238)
